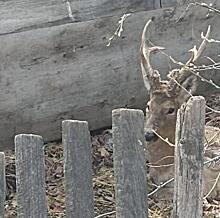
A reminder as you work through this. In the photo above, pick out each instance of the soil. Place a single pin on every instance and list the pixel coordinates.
(103, 178)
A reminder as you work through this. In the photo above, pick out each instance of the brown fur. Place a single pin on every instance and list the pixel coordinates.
(166, 96)
(161, 154)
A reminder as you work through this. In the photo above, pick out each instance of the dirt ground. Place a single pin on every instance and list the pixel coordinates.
(102, 149)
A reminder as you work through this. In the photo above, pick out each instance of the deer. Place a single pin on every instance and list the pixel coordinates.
(165, 98)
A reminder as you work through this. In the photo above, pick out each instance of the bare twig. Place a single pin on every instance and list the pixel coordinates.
(105, 214)
(159, 166)
(184, 12)
(207, 144)
(182, 87)
(119, 29)
(195, 70)
(215, 159)
(172, 179)
(157, 162)
(215, 66)
(196, 73)
(202, 4)
(164, 158)
(160, 186)
(190, 5)
(210, 59)
(209, 40)
(165, 140)
(211, 109)
(213, 187)
(197, 53)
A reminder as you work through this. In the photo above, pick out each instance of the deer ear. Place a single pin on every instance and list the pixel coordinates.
(187, 88)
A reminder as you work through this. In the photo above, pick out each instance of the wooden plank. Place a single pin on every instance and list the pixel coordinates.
(67, 72)
(24, 15)
(188, 193)
(21, 15)
(129, 163)
(170, 3)
(90, 9)
(30, 176)
(77, 169)
(215, 4)
(2, 185)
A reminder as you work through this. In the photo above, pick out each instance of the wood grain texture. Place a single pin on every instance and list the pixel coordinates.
(77, 169)
(34, 14)
(170, 3)
(129, 163)
(30, 177)
(2, 185)
(67, 72)
(188, 194)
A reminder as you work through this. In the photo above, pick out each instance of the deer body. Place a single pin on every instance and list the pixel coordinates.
(166, 97)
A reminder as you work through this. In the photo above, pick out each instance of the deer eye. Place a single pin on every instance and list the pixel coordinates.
(171, 110)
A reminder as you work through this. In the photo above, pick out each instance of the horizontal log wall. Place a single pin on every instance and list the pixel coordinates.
(14, 17)
(54, 68)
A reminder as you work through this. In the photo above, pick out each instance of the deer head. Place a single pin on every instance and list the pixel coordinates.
(167, 96)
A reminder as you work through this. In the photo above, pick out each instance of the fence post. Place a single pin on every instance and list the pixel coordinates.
(129, 163)
(2, 184)
(77, 169)
(30, 176)
(188, 193)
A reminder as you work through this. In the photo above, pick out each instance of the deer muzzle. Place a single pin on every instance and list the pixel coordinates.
(150, 136)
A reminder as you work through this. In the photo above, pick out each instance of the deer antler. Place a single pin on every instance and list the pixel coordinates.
(151, 77)
(178, 77)
(197, 53)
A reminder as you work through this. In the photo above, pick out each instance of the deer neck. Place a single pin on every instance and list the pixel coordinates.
(160, 153)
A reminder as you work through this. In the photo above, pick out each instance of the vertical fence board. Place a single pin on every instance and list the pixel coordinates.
(30, 176)
(189, 159)
(2, 184)
(77, 169)
(129, 163)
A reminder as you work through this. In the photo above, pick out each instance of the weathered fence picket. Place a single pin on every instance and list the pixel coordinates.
(129, 167)
(30, 176)
(189, 159)
(77, 169)
(129, 163)
(2, 184)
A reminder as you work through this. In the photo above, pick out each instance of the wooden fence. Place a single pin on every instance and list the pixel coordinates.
(129, 167)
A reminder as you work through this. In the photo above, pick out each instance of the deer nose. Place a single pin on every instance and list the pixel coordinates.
(150, 136)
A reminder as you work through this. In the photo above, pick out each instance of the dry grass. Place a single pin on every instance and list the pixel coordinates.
(103, 178)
